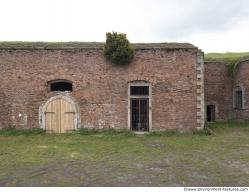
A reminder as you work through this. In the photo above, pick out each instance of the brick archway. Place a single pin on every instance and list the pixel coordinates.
(67, 100)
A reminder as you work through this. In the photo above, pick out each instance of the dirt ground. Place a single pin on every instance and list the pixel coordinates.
(221, 159)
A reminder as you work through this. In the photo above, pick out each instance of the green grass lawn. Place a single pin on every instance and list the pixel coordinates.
(234, 55)
(112, 158)
(229, 57)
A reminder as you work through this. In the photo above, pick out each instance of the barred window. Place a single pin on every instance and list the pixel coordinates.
(238, 100)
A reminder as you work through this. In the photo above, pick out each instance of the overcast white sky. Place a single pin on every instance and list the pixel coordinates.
(212, 25)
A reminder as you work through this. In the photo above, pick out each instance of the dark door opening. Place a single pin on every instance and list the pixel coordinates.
(210, 113)
(140, 114)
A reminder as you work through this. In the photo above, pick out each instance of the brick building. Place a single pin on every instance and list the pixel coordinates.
(64, 86)
(226, 92)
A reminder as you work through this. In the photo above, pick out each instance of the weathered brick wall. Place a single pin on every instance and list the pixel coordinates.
(241, 79)
(218, 89)
(99, 87)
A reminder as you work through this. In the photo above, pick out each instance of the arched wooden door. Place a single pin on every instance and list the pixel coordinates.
(59, 116)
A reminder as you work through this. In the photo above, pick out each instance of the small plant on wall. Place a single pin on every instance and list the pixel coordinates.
(118, 48)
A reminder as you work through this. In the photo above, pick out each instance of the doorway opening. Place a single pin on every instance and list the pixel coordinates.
(59, 115)
(139, 107)
(210, 113)
(140, 114)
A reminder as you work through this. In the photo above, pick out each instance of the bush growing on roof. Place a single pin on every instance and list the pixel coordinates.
(118, 48)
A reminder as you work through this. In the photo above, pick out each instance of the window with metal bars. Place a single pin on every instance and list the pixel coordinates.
(238, 99)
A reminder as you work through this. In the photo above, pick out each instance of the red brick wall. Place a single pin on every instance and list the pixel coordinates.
(99, 87)
(241, 78)
(218, 89)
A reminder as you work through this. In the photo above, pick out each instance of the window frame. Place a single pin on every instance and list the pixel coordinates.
(237, 89)
(140, 95)
(149, 97)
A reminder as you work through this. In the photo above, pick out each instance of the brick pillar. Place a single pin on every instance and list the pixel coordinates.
(200, 108)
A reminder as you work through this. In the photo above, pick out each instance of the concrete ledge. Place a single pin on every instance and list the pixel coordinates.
(141, 132)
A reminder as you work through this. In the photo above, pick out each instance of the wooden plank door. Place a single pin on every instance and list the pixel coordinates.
(67, 116)
(52, 117)
(59, 116)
